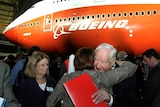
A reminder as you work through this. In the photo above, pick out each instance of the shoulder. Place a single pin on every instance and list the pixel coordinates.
(20, 62)
(27, 81)
(3, 64)
(4, 67)
(51, 79)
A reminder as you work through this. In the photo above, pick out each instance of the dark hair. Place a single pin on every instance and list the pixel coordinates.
(151, 52)
(33, 49)
(30, 52)
(84, 58)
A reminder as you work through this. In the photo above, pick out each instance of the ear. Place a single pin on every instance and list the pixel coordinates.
(152, 58)
(113, 62)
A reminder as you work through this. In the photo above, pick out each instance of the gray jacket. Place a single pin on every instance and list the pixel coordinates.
(5, 86)
(101, 79)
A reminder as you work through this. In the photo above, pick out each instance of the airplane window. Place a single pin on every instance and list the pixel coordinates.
(103, 15)
(125, 14)
(32, 6)
(98, 16)
(114, 15)
(119, 14)
(73, 18)
(154, 12)
(56, 20)
(148, 12)
(87, 17)
(83, 17)
(93, 16)
(65, 19)
(69, 18)
(136, 13)
(78, 17)
(34, 23)
(142, 13)
(108, 15)
(60, 20)
(38, 23)
(130, 14)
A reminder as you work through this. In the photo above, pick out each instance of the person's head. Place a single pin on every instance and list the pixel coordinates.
(38, 65)
(58, 58)
(150, 57)
(121, 55)
(32, 50)
(84, 58)
(104, 57)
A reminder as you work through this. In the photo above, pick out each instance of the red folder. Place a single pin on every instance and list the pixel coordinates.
(80, 90)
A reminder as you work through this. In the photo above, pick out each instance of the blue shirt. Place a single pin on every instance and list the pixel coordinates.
(15, 70)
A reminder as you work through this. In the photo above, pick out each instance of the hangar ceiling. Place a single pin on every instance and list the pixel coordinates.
(9, 10)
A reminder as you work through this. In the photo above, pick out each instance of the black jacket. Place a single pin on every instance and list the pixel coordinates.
(152, 86)
(124, 92)
(29, 93)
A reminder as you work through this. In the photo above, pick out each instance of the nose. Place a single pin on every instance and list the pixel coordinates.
(11, 35)
(98, 64)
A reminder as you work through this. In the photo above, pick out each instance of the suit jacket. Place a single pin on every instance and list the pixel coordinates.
(102, 80)
(124, 92)
(156, 101)
(57, 70)
(152, 86)
(29, 93)
(5, 86)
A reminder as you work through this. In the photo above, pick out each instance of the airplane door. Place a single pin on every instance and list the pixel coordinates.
(47, 23)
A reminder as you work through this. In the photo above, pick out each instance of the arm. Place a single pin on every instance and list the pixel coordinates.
(14, 71)
(114, 76)
(59, 94)
(6, 87)
(117, 75)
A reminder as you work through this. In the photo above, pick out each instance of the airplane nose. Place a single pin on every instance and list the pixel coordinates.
(10, 35)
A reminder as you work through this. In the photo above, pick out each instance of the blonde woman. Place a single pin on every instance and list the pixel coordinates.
(37, 86)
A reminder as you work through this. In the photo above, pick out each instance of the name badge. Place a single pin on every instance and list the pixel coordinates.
(2, 102)
(50, 89)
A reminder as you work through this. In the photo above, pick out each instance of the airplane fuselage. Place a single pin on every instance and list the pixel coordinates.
(130, 27)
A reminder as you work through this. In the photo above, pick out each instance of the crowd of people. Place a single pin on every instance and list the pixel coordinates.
(36, 80)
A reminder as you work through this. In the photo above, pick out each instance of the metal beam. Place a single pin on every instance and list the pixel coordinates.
(7, 3)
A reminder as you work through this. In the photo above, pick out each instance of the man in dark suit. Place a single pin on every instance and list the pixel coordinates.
(124, 92)
(152, 85)
(5, 86)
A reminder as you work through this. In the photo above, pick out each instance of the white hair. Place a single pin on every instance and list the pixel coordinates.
(113, 50)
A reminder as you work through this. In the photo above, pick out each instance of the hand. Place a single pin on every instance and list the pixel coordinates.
(100, 96)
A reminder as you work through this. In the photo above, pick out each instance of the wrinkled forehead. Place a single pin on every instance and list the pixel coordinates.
(103, 54)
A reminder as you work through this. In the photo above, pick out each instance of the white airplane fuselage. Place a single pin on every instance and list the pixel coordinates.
(66, 25)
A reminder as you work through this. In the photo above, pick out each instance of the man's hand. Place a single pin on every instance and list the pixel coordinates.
(100, 96)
